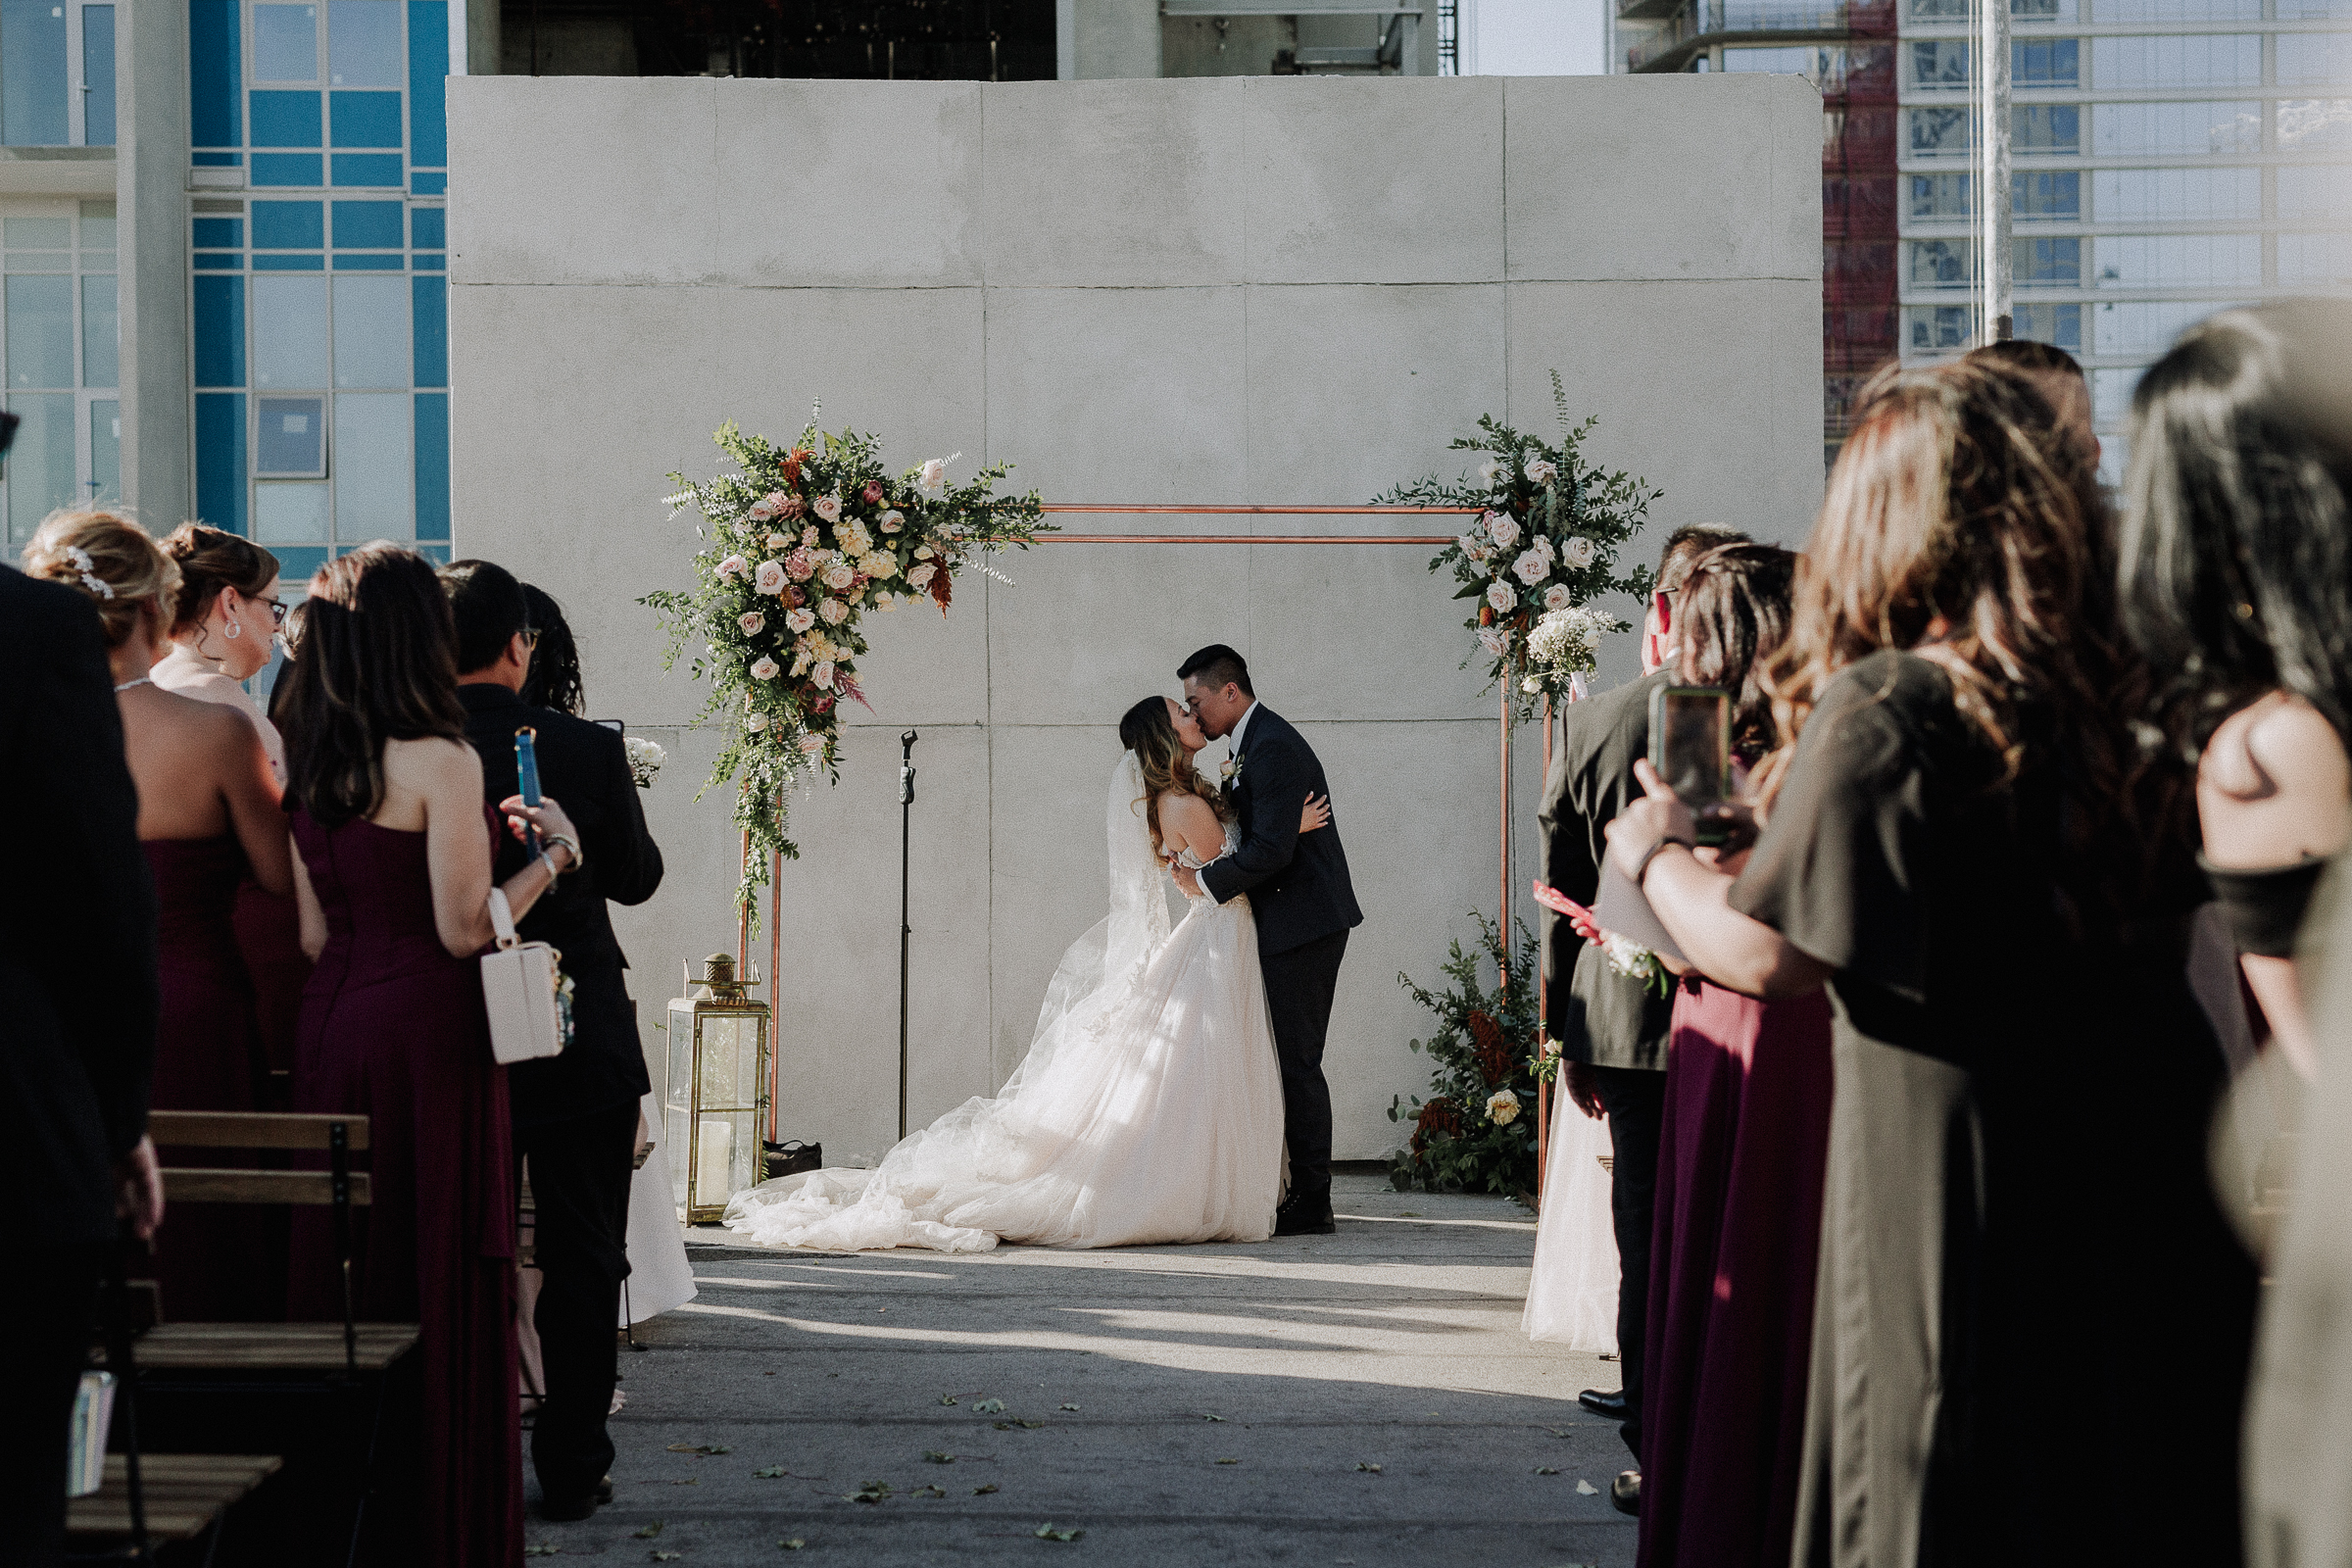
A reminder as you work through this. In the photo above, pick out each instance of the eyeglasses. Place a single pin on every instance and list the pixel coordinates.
(530, 637)
(277, 612)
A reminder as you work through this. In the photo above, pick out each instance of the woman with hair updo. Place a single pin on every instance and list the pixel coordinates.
(226, 620)
(1149, 1108)
(554, 678)
(1964, 843)
(208, 819)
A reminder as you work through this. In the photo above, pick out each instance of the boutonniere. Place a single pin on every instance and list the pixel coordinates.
(1231, 770)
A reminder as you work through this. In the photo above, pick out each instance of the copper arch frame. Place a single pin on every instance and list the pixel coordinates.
(776, 940)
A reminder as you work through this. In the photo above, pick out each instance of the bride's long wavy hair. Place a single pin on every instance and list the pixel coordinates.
(1147, 731)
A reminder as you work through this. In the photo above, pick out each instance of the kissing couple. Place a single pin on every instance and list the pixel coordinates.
(1171, 1068)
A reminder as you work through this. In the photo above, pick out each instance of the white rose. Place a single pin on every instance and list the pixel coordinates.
(921, 575)
(779, 542)
(770, 577)
(1531, 568)
(1540, 472)
(756, 723)
(1579, 552)
(893, 520)
(1558, 597)
(879, 566)
(733, 566)
(800, 620)
(823, 675)
(922, 552)
(753, 624)
(765, 668)
(1470, 545)
(1502, 528)
(839, 576)
(827, 507)
(934, 476)
(760, 511)
(834, 610)
(1503, 596)
(1491, 638)
(1502, 1107)
(885, 602)
(1531, 685)
(812, 745)
(1492, 469)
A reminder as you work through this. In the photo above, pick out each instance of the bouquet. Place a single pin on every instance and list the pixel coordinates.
(1565, 647)
(1546, 539)
(798, 545)
(645, 761)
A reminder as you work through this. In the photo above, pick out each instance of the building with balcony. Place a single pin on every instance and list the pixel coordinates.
(2169, 158)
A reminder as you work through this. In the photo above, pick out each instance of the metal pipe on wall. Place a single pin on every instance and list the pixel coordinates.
(1995, 265)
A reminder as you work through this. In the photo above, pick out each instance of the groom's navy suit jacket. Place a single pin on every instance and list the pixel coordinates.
(1298, 883)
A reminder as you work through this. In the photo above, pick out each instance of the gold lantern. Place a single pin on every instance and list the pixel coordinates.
(714, 1095)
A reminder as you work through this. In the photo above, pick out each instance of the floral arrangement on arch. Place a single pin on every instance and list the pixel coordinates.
(1545, 544)
(1476, 1132)
(797, 546)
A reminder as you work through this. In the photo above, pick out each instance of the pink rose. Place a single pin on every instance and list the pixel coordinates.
(823, 675)
(777, 501)
(921, 575)
(873, 492)
(770, 577)
(797, 596)
(839, 576)
(764, 668)
(800, 565)
(800, 620)
(762, 509)
(834, 611)
(752, 623)
(733, 566)
(828, 508)
(893, 520)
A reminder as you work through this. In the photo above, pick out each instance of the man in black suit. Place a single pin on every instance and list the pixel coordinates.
(1305, 906)
(575, 1115)
(1612, 1030)
(78, 1000)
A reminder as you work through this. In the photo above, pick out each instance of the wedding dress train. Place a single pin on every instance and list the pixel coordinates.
(1148, 1109)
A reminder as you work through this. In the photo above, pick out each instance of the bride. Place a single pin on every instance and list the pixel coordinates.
(1150, 1105)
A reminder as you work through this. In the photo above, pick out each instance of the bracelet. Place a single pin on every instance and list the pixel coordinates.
(549, 840)
(1655, 849)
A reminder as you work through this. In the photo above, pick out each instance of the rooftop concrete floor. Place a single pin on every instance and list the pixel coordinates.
(1364, 1399)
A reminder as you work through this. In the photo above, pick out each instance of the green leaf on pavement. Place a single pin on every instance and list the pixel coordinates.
(1373, 1468)
(982, 1491)
(1206, 1416)
(947, 1398)
(1229, 1461)
(937, 1457)
(648, 1532)
(1069, 1407)
(774, 1472)
(1585, 1489)
(990, 1407)
(793, 1545)
(870, 1491)
(664, 1556)
(928, 1492)
(1046, 1532)
(1546, 1470)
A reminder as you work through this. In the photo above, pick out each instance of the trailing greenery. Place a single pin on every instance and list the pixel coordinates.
(1476, 1133)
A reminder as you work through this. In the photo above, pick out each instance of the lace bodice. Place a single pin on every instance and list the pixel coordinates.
(1186, 858)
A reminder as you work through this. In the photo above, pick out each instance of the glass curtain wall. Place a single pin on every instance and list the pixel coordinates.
(2171, 158)
(61, 349)
(317, 254)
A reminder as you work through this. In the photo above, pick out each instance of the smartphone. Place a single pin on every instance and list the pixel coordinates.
(527, 778)
(1690, 747)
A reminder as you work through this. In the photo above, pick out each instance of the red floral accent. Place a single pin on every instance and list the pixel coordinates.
(942, 589)
(1440, 1116)
(1495, 1062)
(873, 492)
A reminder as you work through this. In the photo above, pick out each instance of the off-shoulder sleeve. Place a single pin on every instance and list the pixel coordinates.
(1836, 870)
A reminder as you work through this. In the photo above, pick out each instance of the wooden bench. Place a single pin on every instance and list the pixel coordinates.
(183, 1494)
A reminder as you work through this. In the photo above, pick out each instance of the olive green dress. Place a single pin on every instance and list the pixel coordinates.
(2019, 1252)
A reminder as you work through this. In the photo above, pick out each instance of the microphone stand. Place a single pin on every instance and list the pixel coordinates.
(906, 931)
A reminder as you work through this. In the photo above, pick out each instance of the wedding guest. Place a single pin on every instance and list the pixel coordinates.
(208, 818)
(575, 1115)
(2237, 583)
(1961, 842)
(554, 680)
(393, 879)
(1740, 1162)
(2056, 377)
(77, 989)
(224, 629)
(1611, 1029)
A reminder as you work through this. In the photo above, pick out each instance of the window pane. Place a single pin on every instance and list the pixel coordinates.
(1940, 133)
(286, 43)
(363, 43)
(2045, 263)
(2314, 9)
(2321, 191)
(1941, 328)
(371, 331)
(292, 438)
(1942, 262)
(1938, 195)
(41, 464)
(1940, 63)
(289, 332)
(98, 73)
(2111, 395)
(2314, 59)
(33, 73)
(97, 226)
(2206, 59)
(38, 233)
(2178, 195)
(375, 477)
(2170, 130)
(2045, 62)
(2179, 260)
(2145, 326)
(2046, 129)
(2314, 125)
(2045, 197)
(2306, 259)
(100, 346)
(40, 332)
(2181, 9)
(2060, 326)
(106, 450)
(290, 513)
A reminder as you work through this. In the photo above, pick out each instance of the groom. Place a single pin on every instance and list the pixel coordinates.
(1298, 889)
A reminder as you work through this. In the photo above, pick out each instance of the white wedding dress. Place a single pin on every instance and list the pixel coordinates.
(1148, 1109)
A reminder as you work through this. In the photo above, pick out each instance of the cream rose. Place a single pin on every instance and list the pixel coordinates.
(1579, 552)
(733, 566)
(770, 577)
(800, 620)
(822, 677)
(839, 576)
(1540, 472)
(1502, 595)
(779, 542)
(1502, 1107)
(827, 508)
(1531, 568)
(934, 476)
(753, 624)
(921, 575)
(761, 511)
(893, 520)
(834, 611)
(1502, 528)
(1558, 597)
(879, 566)
(765, 668)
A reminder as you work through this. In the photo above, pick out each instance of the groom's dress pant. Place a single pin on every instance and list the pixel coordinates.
(1300, 987)
(580, 1169)
(1635, 1098)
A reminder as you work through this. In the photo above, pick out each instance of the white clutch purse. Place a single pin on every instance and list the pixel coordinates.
(520, 987)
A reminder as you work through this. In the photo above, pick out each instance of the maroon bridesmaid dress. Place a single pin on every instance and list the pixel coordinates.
(393, 1028)
(215, 1262)
(1742, 1158)
(269, 939)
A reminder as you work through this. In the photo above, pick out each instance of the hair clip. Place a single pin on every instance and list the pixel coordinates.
(81, 558)
(97, 585)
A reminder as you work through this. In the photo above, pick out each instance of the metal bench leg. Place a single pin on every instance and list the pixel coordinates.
(127, 1400)
(338, 1147)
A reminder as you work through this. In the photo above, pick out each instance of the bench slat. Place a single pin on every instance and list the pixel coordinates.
(250, 1129)
(269, 1346)
(188, 1184)
(184, 1493)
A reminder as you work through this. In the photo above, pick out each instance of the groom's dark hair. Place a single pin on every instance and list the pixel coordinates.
(1218, 666)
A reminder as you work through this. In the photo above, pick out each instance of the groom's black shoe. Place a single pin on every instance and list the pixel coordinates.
(1610, 1403)
(1305, 1216)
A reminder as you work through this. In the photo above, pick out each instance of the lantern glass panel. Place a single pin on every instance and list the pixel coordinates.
(678, 1110)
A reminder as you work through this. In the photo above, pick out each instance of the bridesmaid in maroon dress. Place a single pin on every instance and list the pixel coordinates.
(208, 817)
(393, 879)
(1740, 1161)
